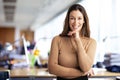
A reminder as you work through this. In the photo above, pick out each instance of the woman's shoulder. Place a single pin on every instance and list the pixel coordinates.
(56, 38)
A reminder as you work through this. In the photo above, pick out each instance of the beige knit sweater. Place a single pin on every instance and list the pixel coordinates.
(71, 56)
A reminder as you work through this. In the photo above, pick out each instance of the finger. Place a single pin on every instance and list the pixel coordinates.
(88, 75)
(93, 72)
(70, 34)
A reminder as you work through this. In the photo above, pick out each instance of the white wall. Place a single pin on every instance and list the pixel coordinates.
(45, 33)
(17, 36)
(104, 22)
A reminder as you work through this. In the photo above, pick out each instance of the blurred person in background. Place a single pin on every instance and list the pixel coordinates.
(1, 46)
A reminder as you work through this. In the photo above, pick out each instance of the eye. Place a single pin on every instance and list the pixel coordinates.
(71, 18)
(79, 18)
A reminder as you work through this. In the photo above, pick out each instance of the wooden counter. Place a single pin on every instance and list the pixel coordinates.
(42, 72)
(100, 72)
(27, 72)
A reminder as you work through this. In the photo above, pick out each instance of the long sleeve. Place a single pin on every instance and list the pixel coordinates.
(86, 56)
(54, 67)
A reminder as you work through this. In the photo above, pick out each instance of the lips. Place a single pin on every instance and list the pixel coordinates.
(75, 27)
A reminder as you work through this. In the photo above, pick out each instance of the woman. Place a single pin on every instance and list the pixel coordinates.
(72, 52)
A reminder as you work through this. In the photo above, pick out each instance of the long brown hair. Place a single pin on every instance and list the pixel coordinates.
(85, 31)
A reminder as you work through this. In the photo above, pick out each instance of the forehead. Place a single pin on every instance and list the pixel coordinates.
(76, 13)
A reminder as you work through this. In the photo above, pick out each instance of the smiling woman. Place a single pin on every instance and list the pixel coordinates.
(73, 50)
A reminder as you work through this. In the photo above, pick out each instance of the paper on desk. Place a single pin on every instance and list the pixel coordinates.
(20, 65)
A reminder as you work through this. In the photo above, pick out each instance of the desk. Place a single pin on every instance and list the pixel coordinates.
(34, 72)
(30, 74)
(100, 72)
(42, 73)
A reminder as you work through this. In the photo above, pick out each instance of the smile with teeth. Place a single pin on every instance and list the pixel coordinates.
(75, 27)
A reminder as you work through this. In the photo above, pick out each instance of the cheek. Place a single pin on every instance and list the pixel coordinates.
(81, 21)
(70, 23)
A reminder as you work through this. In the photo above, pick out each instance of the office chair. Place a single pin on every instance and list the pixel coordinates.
(4, 75)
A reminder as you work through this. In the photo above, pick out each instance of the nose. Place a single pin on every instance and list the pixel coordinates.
(76, 22)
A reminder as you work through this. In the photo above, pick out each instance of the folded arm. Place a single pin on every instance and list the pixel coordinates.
(55, 68)
(86, 58)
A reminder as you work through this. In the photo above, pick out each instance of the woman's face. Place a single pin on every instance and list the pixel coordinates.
(76, 20)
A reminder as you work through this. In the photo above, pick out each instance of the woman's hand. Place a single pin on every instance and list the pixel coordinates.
(90, 73)
(74, 34)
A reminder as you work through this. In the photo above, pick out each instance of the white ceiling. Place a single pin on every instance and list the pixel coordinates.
(25, 13)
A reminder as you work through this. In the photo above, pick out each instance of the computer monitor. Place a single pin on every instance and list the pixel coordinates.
(25, 49)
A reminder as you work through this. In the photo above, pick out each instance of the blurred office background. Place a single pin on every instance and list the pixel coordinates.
(40, 20)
